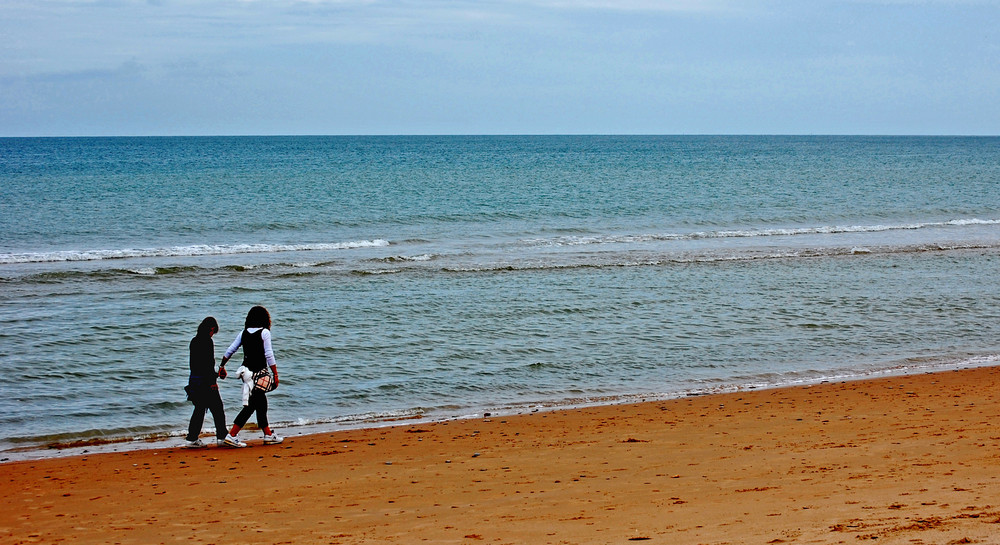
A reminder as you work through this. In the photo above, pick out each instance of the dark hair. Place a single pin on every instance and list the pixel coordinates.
(258, 317)
(208, 326)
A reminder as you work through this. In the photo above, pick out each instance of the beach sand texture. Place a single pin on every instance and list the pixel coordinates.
(907, 459)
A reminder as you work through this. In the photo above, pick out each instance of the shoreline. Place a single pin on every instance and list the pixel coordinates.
(173, 439)
(902, 459)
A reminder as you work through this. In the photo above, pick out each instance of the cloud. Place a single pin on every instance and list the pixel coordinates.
(128, 69)
(667, 6)
(260, 66)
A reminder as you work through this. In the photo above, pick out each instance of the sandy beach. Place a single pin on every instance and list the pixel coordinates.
(907, 459)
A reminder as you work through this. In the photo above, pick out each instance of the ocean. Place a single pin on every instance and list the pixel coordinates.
(426, 277)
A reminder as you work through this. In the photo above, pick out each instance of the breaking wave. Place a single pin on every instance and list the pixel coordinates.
(579, 240)
(182, 251)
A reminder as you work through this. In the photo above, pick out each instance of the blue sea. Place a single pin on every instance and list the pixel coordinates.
(445, 277)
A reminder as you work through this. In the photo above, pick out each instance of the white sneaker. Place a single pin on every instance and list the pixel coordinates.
(273, 439)
(197, 443)
(234, 442)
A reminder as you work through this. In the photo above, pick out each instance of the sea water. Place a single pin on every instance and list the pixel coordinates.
(443, 277)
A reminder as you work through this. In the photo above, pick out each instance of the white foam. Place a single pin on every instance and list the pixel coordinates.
(183, 251)
(576, 240)
(973, 221)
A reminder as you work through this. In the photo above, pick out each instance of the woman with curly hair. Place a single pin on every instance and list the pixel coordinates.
(258, 356)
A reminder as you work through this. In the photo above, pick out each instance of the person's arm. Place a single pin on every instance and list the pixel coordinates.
(221, 373)
(269, 354)
(232, 349)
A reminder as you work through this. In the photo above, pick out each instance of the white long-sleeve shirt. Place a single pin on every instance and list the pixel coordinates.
(265, 336)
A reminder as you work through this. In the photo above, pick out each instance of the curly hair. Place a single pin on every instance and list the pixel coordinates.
(258, 317)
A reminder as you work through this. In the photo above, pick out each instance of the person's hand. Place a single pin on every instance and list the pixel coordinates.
(222, 373)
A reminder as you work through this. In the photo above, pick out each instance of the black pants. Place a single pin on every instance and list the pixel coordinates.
(258, 403)
(207, 399)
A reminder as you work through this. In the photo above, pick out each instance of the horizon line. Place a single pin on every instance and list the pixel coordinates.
(389, 135)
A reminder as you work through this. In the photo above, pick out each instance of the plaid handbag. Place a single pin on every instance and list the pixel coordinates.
(263, 381)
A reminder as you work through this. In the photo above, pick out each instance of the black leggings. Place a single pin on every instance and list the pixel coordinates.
(258, 403)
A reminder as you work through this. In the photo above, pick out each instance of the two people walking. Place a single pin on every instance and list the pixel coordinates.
(259, 374)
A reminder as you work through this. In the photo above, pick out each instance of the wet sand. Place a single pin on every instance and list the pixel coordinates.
(909, 459)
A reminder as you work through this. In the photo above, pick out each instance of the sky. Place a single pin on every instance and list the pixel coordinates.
(264, 67)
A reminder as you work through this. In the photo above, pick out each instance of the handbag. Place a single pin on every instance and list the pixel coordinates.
(263, 381)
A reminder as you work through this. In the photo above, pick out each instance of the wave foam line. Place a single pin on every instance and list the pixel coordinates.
(707, 258)
(750, 233)
(183, 251)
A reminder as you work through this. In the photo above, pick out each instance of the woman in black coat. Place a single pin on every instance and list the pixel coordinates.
(202, 389)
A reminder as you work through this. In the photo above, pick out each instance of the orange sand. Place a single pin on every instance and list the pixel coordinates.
(910, 459)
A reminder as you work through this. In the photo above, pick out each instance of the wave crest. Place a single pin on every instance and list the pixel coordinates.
(579, 240)
(182, 251)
